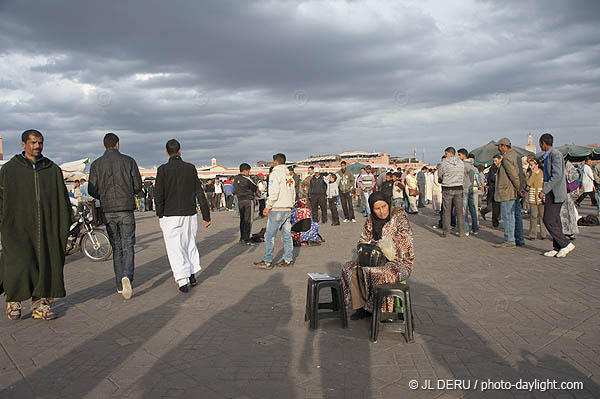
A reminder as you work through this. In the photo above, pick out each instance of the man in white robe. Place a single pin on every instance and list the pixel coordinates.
(178, 193)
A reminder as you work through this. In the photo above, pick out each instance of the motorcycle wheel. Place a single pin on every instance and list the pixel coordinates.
(101, 251)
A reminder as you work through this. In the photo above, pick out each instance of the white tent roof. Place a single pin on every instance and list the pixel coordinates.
(75, 166)
(74, 169)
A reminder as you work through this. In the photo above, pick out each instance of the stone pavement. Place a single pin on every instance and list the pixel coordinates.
(481, 314)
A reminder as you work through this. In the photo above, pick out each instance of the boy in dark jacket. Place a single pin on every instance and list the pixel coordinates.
(317, 194)
(245, 190)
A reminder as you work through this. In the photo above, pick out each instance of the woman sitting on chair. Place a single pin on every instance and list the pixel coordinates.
(359, 282)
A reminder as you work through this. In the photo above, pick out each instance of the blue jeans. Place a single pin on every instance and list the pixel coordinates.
(120, 227)
(469, 206)
(279, 220)
(513, 221)
(142, 204)
(236, 206)
(366, 195)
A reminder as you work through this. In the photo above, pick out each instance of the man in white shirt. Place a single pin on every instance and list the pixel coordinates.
(587, 181)
(280, 201)
(218, 193)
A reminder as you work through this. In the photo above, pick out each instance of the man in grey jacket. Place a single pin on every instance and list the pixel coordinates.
(451, 176)
(554, 194)
(421, 182)
(468, 194)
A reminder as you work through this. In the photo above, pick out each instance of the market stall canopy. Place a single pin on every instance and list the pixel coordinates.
(575, 153)
(74, 169)
(355, 167)
(484, 155)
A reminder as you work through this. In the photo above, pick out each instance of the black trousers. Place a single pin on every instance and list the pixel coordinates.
(261, 206)
(210, 197)
(316, 202)
(495, 208)
(229, 201)
(592, 196)
(452, 217)
(346, 200)
(335, 217)
(553, 223)
(245, 207)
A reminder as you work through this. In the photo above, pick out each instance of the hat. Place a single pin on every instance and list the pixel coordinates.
(503, 141)
(317, 170)
(368, 166)
(260, 174)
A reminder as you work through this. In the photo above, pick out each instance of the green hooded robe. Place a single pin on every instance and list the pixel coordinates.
(35, 215)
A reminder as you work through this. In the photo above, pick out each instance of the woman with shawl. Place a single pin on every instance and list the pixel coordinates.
(382, 224)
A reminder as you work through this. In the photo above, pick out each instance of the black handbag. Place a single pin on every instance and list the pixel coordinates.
(370, 255)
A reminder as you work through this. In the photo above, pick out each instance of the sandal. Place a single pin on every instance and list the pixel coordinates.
(13, 310)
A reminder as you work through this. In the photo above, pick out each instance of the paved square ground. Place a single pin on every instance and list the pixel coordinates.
(482, 315)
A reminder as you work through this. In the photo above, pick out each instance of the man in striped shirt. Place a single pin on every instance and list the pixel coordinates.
(366, 184)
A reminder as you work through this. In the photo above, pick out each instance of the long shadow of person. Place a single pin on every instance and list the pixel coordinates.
(91, 368)
(242, 351)
(447, 348)
(336, 362)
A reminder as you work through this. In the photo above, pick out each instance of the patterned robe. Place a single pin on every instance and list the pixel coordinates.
(392, 272)
(568, 212)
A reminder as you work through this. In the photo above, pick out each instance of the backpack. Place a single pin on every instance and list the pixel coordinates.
(589, 220)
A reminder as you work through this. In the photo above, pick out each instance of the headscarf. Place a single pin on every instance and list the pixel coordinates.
(377, 222)
(572, 173)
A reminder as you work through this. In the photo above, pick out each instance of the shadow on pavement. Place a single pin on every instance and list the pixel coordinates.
(457, 352)
(242, 351)
(143, 273)
(91, 366)
(343, 361)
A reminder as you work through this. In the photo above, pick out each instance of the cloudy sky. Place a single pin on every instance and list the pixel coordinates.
(240, 80)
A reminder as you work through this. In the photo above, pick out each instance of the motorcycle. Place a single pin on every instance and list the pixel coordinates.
(85, 238)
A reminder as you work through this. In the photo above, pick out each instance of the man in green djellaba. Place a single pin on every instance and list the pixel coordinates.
(35, 216)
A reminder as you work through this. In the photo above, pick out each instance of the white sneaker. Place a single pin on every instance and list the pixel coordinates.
(346, 221)
(550, 254)
(564, 251)
(127, 291)
(353, 220)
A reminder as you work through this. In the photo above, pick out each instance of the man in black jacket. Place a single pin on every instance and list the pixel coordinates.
(115, 180)
(244, 189)
(317, 194)
(176, 193)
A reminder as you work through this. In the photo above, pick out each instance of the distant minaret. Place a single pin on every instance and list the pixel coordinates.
(415, 153)
(213, 162)
(530, 144)
(1, 152)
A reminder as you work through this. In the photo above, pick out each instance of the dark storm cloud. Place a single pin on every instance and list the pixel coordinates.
(242, 80)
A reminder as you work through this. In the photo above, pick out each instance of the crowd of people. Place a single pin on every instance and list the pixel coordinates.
(36, 213)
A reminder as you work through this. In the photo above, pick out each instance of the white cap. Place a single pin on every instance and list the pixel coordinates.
(317, 170)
